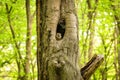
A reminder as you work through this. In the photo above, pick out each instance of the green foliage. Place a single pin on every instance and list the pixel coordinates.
(104, 41)
(8, 55)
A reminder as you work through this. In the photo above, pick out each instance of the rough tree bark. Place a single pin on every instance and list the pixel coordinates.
(91, 66)
(57, 40)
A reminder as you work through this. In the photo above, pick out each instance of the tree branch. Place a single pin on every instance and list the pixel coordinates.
(91, 66)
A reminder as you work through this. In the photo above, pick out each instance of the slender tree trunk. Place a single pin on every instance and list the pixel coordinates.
(57, 37)
(104, 70)
(17, 47)
(91, 22)
(118, 48)
(115, 53)
(23, 67)
(28, 41)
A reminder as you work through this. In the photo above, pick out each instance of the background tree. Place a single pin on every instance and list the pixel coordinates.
(14, 19)
(19, 59)
(91, 24)
(28, 40)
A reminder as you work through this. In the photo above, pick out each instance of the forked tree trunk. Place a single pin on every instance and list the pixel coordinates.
(57, 48)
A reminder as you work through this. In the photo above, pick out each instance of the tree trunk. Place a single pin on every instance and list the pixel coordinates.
(28, 41)
(91, 22)
(57, 42)
(115, 54)
(17, 46)
(57, 37)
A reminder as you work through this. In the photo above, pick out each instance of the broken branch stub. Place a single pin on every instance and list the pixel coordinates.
(91, 66)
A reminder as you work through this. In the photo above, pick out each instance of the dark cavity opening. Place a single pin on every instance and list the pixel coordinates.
(60, 31)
